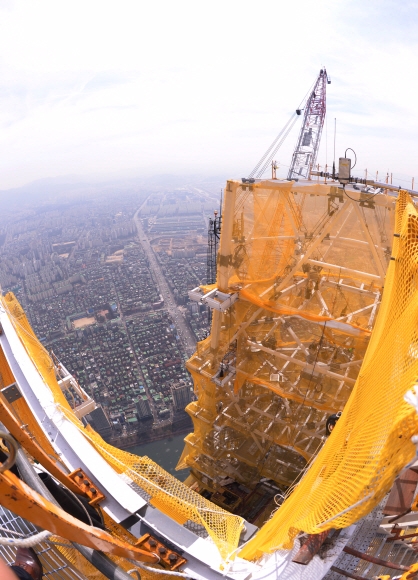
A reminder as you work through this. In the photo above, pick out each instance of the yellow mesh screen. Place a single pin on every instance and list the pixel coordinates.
(36, 351)
(86, 568)
(167, 493)
(89, 571)
(21, 409)
(77, 560)
(290, 323)
(372, 441)
(171, 495)
(119, 532)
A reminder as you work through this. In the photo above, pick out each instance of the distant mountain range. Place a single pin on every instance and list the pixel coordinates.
(70, 188)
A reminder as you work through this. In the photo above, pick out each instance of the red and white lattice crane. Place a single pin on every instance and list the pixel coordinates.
(306, 151)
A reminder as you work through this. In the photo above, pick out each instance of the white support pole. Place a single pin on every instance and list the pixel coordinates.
(337, 235)
(374, 310)
(349, 288)
(350, 364)
(350, 315)
(292, 356)
(274, 238)
(244, 325)
(352, 241)
(272, 329)
(368, 237)
(347, 271)
(289, 213)
(286, 290)
(325, 309)
(295, 337)
(323, 370)
(334, 219)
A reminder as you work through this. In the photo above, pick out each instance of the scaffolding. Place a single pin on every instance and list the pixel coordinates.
(301, 267)
(300, 275)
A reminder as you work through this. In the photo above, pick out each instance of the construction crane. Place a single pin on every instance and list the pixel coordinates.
(306, 150)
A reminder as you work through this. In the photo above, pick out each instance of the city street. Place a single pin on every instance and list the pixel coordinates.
(183, 329)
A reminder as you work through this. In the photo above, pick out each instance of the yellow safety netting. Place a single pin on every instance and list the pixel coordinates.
(172, 496)
(36, 351)
(293, 344)
(295, 338)
(45, 366)
(372, 441)
(166, 492)
(85, 567)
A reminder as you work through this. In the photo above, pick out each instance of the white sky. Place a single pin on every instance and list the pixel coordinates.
(179, 86)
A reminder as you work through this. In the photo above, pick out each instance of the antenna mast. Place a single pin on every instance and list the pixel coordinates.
(214, 236)
(306, 151)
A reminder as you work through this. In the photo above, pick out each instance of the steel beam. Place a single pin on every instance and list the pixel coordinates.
(341, 270)
(323, 370)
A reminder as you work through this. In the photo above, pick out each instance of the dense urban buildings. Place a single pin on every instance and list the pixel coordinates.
(104, 280)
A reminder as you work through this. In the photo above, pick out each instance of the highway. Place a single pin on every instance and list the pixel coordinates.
(186, 336)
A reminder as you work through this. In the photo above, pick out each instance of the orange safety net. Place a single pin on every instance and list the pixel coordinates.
(34, 348)
(372, 441)
(166, 492)
(309, 266)
(309, 273)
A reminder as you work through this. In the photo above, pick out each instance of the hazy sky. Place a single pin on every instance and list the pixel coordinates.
(178, 86)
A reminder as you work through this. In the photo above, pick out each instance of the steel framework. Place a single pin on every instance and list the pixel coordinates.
(306, 151)
(253, 427)
(214, 235)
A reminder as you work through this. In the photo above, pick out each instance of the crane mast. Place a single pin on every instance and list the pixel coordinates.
(306, 151)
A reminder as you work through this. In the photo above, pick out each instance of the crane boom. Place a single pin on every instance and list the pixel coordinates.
(306, 150)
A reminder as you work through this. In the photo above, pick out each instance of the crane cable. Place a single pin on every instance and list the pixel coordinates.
(270, 158)
(292, 119)
(278, 141)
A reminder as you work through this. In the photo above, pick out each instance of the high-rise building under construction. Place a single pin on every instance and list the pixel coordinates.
(305, 393)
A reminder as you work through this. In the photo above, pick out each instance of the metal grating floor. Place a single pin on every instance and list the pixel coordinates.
(56, 567)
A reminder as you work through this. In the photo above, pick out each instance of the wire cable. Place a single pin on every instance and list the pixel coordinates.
(345, 155)
(157, 570)
(277, 147)
(293, 118)
(11, 459)
(359, 200)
